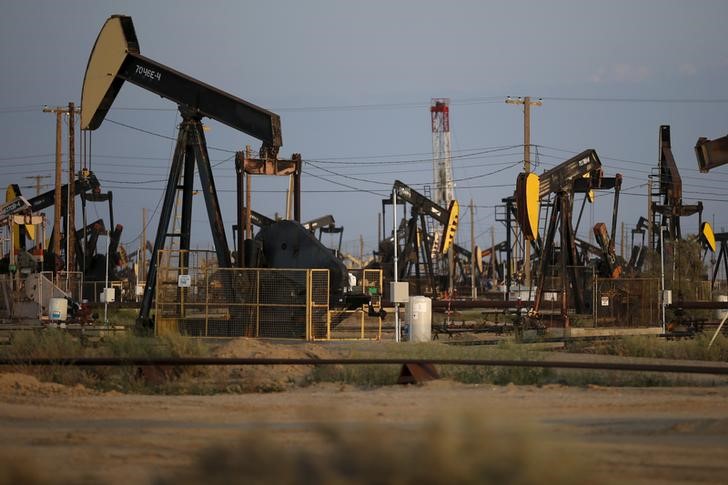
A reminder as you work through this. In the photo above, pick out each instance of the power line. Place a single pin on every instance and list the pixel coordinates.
(18, 109)
(414, 154)
(429, 169)
(652, 164)
(453, 101)
(416, 160)
(636, 100)
(26, 157)
(351, 107)
(166, 137)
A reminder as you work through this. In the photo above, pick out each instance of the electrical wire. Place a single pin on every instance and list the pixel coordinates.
(148, 132)
(453, 102)
(25, 157)
(416, 160)
(636, 100)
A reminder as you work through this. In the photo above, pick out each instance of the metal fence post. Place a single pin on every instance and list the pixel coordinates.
(309, 303)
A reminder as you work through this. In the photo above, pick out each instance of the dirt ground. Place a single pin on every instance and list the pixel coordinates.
(628, 435)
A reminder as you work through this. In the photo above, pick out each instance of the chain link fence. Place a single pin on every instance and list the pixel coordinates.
(626, 302)
(357, 323)
(204, 300)
(70, 282)
(604, 302)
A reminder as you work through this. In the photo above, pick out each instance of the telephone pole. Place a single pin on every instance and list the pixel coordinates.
(71, 234)
(527, 103)
(361, 251)
(473, 289)
(142, 256)
(59, 111)
(38, 185)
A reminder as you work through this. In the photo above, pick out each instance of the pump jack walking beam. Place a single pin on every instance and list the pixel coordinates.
(115, 58)
(711, 153)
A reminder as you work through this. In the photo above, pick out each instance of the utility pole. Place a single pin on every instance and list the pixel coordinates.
(379, 229)
(361, 251)
(650, 216)
(527, 103)
(38, 186)
(143, 249)
(493, 269)
(59, 111)
(71, 234)
(621, 249)
(248, 201)
(473, 290)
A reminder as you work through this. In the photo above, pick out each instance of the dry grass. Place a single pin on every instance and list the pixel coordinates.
(463, 449)
(203, 380)
(658, 348)
(377, 375)
(54, 343)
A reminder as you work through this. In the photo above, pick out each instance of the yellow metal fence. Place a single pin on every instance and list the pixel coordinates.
(356, 323)
(204, 300)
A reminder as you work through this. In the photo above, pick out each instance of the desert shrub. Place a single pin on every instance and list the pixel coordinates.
(56, 343)
(49, 343)
(461, 448)
(377, 375)
(653, 347)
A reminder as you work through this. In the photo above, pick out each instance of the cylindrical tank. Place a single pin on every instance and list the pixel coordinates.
(720, 314)
(58, 309)
(419, 319)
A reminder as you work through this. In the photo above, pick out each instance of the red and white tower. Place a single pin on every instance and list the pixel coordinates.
(444, 188)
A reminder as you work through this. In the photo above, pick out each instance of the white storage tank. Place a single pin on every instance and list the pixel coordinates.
(107, 295)
(58, 309)
(720, 314)
(419, 319)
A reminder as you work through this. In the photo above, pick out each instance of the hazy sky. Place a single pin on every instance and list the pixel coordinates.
(352, 81)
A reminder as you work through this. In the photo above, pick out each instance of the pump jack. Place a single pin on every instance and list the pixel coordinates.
(85, 186)
(671, 207)
(610, 267)
(560, 181)
(418, 243)
(115, 58)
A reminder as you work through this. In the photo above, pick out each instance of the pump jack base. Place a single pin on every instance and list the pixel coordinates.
(416, 373)
(144, 327)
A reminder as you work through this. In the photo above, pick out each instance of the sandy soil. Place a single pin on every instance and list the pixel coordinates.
(630, 435)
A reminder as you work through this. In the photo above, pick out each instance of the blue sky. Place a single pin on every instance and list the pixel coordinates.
(352, 82)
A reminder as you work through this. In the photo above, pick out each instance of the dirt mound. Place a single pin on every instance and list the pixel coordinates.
(267, 378)
(250, 347)
(14, 383)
